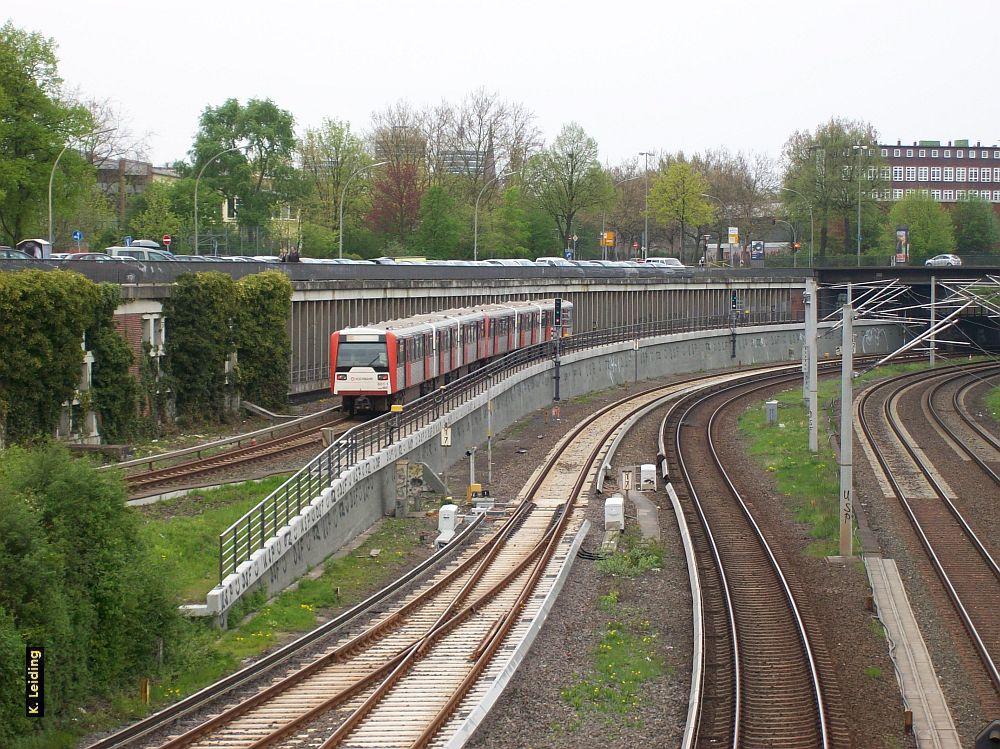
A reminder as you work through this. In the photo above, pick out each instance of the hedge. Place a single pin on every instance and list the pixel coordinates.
(263, 345)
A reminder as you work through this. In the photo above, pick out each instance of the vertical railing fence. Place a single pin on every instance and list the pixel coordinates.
(241, 539)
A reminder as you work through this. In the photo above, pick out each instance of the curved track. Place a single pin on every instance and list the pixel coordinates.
(764, 680)
(974, 429)
(969, 574)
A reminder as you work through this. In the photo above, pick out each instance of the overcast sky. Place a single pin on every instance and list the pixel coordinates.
(662, 75)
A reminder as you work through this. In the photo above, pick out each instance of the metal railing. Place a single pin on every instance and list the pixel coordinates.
(248, 534)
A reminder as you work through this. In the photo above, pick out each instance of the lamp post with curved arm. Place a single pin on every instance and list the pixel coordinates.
(340, 210)
(52, 176)
(196, 182)
(811, 228)
(475, 215)
(792, 230)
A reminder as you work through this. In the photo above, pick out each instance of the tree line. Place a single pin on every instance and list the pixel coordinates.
(448, 180)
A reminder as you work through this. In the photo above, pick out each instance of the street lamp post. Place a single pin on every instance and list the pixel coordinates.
(604, 215)
(475, 215)
(196, 182)
(811, 229)
(645, 231)
(858, 149)
(52, 176)
(792, 230)
(723, 207)
(340, 210)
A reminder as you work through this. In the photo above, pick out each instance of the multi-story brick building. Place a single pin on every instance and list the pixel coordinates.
(947, 172)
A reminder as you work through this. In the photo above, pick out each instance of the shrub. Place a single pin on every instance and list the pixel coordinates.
(263, 346)
(114, 389)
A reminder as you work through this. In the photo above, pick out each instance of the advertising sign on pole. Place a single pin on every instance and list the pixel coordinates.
(902, 244)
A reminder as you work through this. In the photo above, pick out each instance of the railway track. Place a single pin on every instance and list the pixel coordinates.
(967, 571)
(763, 681)
(151, 482)
(406, 678)
(971, 431)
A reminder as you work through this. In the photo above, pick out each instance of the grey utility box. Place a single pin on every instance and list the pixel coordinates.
(771, 411)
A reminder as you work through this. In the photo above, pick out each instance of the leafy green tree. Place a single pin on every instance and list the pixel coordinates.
(35, 124)
(260, 174)
(331, 154)
(976, 227)
(440, 229)
(566, 178)
(157, 216)
(677, 198)
(822, 167)
(509, 232)
(931, 231)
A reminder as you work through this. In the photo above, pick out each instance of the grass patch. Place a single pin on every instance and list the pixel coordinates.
(993, 403)
(624, 660)
(811, 481)
(873, 672)
(635, 557)
(184, 532)
(203, 654)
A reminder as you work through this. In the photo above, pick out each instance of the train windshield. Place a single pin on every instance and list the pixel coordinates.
(362, 354)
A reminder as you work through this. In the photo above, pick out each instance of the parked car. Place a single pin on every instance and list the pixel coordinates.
(99, 257)
(8, 254)
(665, 262)
(944, 260)
(140, 253)
(554, 261)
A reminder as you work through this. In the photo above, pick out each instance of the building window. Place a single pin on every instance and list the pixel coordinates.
(949, 196)
(886, 194)
(922, 174)
(959, 194)
(886, 172)
(996, 174)
(972, 154)
(897, 174)
(986, 175)
(922, 153)
(934, 153)
(936, 194)
(985, 154)
(960, 174)
(885, 151)
(996, 196)
(895, 152)
(925, 193)
(973, 194)
(959, 153)
(897, 194)
(911, 174)
(909, 153)
(996, 154)
(949, 174)
(935, 174)
(973, 174)
(910, 192)
(947, 153)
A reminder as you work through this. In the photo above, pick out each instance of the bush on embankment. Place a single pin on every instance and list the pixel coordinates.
(77, 580)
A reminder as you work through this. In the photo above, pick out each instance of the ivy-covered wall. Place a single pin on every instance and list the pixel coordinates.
(114, 391)
(201, 316)
(43, 316)
(263, 346)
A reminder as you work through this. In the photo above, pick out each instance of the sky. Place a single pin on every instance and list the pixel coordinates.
(659, 75)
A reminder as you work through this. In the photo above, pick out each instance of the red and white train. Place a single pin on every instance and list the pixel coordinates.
(372, 368)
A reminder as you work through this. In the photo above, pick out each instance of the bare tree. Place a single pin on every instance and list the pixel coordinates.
(111, 137)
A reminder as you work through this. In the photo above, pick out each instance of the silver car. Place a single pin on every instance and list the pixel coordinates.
(944, 260)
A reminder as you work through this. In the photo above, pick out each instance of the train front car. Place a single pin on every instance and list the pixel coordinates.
(363, 368)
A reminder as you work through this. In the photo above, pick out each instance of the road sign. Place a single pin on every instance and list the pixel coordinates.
(166, 239)
(568, 253)
(734, 235)
(635, 245)
(575, 238)
(128, 241)
(78, 236)
(608, 239)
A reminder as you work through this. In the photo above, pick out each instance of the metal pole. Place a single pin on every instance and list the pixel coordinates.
(811, 326)
(645, 231)
(52, 176)
(847, 435)
(196, 183)
(472, 466)
(475, 215)
(859, 149)
(340, 211)
(933, 316)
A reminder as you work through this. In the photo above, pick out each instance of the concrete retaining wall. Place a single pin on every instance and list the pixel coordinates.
(366, 492)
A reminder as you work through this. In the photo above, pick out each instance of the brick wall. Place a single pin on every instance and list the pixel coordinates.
(130, 327)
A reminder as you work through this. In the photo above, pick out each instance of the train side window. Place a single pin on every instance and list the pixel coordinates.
(400, 353)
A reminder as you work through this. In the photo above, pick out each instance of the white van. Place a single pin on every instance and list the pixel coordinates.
(665, 262)
(140, 253)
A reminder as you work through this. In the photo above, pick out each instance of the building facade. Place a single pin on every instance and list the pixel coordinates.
(947, 172)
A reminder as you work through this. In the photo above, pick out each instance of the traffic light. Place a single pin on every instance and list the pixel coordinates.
(796, 246)
(734, 301)
(557, 317)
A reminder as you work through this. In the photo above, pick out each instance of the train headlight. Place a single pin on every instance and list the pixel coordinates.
(383, 376)
(341, 376)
